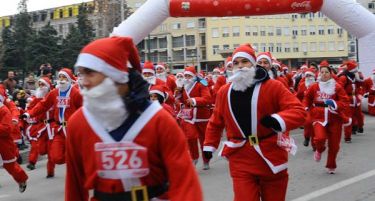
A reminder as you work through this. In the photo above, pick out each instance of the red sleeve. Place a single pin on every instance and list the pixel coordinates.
(133, 57)
(205, 98)
(300, 92)
(221, 81)
(12, 108)
(5, 121)
(44, 105)
(176, 156)
(309, 96)
(342, 99)
(342, 81)
(78, 100)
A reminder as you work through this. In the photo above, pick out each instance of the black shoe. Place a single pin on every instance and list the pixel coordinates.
(360, 130)
(19, 160)
(50, 176)
(30, 166)
(22, 187)
(348, 140)
(354, 130)
(306, 142)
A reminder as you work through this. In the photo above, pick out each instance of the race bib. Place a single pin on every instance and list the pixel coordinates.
(121, 160)
(186, 113)
(63, 102)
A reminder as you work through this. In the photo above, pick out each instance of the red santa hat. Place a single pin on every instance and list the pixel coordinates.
(160, 65)
(190, 71)
(351, 65)
(158, 89)
(373, 71)
(275, 63)
(228, 61)
(148, 67)
(310, 71)
(284, 67)
(3, 94)
(46, 81)
(216, 70)
(324, 63)
(179, 74)
(265, 55)
(68, 74)
(304, 67)
(110, 56)
(245, 51)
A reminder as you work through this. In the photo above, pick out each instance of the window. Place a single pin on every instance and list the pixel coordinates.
(178, 55)
(340, 46)
(331, 30)
(339, 30)
(304, 47)
(371, 5)
(320, 14)
(263, 31)
(51, 15)
(163, 27)
(295, 47)
(226, 47)
(61, 13)
(303, 16)
(190, 40)
(153, 43)
(270, 47)
(278, 47)
(270, 31)
(215, 33)
(311, 15)
(163, 56)
(236, 31)
(278, 31)
(322, 46)
(312, 30)
(247, 31)
(70, 12)
(215, 48)
(286, 31)
(176, 26)
(294, 16)
(303, 30)
(295, 31)
(331, 46)
(321, 30)
(225, 31)
(255, 31)
(286, 47)
(313, 47)
(190, 24)
(163, 43)
(44, 16)
(178, 41)
(263, 47)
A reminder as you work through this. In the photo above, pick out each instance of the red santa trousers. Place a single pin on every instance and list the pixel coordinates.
(253, 180)
(15, 170)
(58, 147)
(195, 132)
(8, 153)
(34, 151)
(348, 128)
(358, 117)
(332, 133)
(45, 148)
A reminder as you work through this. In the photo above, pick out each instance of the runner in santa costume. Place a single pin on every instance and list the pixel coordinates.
(326, 101)
(349, 80)
(39, 131)
(158, 93)
(195, 99)
(131, 148)
(223, 79)
(264, 59)
(308, 131)
(369, 89)
(8, 156)
(252, 109)
(64, 100)
(161, 73)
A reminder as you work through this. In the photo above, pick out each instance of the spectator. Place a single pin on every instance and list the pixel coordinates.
(10, 83)
(30, 83)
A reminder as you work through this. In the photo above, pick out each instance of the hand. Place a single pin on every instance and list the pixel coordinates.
(330, 102)
(25, 115)
(190, 102)
(270, 122)
(207, 154)
(366, 95)
(14, 121)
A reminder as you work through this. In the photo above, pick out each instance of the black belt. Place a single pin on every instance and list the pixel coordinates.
(139, 194)
(62, 123)
(47, 121)
(254, 140)
(320, 105)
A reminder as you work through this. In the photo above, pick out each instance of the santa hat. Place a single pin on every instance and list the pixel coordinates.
(190, 71)
(284, 67)
(68, 74)
(110, 56)
(46, 81)
(160, 65)
(158, 89)
(303, 67)
(228, 61)
(351, 65)
(179, 74)
(265, 55)
(245, 51)
(217, 70)
(310, 71)
(324, 63)
(275, 62)
(148, 67)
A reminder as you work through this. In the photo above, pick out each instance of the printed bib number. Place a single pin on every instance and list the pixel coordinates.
(63, 102)
(186, 113)
(121, 160)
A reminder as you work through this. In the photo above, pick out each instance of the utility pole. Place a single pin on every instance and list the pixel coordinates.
(122, 10)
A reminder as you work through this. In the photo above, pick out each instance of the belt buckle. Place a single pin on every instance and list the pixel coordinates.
(45, 121)
(63, 124)
(139, 188)
(253, 140)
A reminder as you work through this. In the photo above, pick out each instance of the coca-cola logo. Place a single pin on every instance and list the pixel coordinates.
(305, 4)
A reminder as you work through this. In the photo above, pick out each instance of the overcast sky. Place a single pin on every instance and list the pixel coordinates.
(9, 7)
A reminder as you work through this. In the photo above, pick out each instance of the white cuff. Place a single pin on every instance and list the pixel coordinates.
(194, 101)
(335, 107)
(281, 122)
(209, 148)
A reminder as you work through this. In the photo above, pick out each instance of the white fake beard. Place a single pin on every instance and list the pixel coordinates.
(328, 87)
(162, 76)
(151, 80)
(309, 82)
(188, 83)
(41, 92)
(106, 105)
(270, 73)
(180, 82)
(229, 73)
(1, 100)
(63, 85)
(214, 78)
(242, 78)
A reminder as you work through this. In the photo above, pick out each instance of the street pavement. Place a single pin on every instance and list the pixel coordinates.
(354, 179)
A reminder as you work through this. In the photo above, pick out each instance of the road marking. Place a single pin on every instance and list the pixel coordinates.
(336, 186)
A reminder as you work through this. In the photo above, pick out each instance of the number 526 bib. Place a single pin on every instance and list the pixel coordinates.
(120, 160)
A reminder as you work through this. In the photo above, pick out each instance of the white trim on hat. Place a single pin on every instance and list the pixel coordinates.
(66, 75)
(45, 82)
(157, 92)
(244, 55)
(263, 56)
(354, 70)
(95, 63)
(2, 98)
(159, 66)
(309, 73)
(229, 62)
(147, 70)
(189, 73)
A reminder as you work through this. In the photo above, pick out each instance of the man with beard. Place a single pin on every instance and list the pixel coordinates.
(253, 109)
(39, 130)
(223, 79)
(64, 100)
(369, 89)
(264, 59)
(169, 80)
(119, 144)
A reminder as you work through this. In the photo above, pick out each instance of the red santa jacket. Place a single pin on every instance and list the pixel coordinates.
(221, 81)
(40, 123)
(7, 147)
(269, 98)
(352, 89)
(320, 113)
(166, 152)
(170, 100)
(201, 97)
(171, 83)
